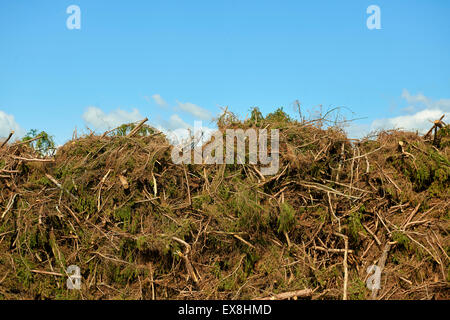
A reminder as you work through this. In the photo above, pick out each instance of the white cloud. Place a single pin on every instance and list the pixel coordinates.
(187, 107)
(8, 124)
(421, 121)
(178, 131)
(422, 112)
(420, 101)
(356, 130)
(195, 110)
(417, 99)
(159, 100)
(419, 114)
(175, 122)
(100, 120)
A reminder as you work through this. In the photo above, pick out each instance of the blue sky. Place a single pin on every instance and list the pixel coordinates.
(178, 61)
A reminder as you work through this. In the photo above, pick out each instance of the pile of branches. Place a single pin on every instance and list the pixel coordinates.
(141, 227)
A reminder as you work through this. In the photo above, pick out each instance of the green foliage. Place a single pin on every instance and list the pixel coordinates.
(125, 129)
(141, 243)
(24, 274)
(256, 116)
(401, 239)
(227, 118)
(278, 116)
(124, 215)
(86, 204)
(252, 216)
(286, 219)
(427, 171)
(122, 274)
(357, 290)
(45, 145)
(443, 137)
(355, 225)
(250, 262)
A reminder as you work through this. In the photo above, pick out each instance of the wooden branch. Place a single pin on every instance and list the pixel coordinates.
(189, 267)
(48, 273)
(325, 188)
(10, 204)
(124, 182)
(416, 209)
(9, 171)
(7, 139)
(59, 185)
(136, 129)
(332, 250)
(434, 126)
(372, 234)
(155, 185)
(345, 263)
(288, 295)
(381, 265)
(100, 189)
(109, 131)
(28, 141)
(32, 160)
(364, 155)
(244, 241)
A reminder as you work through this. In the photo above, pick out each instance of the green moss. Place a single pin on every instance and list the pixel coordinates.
(279, 117)
(122, 275)
(86, 204)
(354, 224)
(252, 216)
(286, 219)
(448, 273)
(199, 202)
(402, 240)
(250, 261)
(357, 290)
(24, 274)
(44, 181)
(123, 215)
(141, 243)
(443, 137)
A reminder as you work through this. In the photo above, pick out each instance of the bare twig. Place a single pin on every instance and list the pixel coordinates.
(189, 267)
(32, 160)
(48, 273)
(244, 241)
(288, 295)
(137, 128)
(345, 263)
(60, 186)
(28, 141)
(7, 139)
(381, 264)
(9, 205)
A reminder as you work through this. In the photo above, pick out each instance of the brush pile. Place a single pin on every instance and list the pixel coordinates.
(140, 227)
